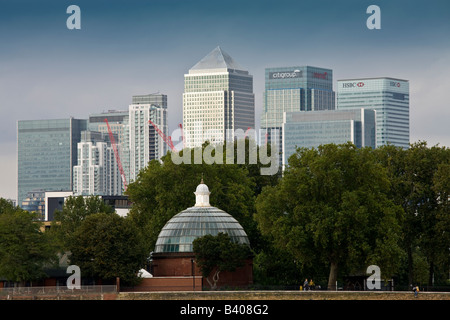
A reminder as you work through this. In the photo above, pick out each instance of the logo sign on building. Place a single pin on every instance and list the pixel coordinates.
(285, 75)
(319, 75)
(359, 84)
(394, 84)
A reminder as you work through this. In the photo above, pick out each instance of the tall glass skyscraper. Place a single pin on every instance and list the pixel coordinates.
(144, 142)
(46, 153)
(291, 89)
(217, 100)
(389, 97)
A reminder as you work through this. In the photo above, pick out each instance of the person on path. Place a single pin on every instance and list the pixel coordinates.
(416, 291)
(306, 285)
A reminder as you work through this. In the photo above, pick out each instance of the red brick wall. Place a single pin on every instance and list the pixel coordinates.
(179, 264)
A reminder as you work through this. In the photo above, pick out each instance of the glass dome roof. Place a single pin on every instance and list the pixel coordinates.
(194, 222)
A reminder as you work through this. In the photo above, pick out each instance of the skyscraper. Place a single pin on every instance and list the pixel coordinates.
(97, 171)
(46, 152)
(217, 100)
(118, 122)
(144, 141)
(389, 97)
(291, 89)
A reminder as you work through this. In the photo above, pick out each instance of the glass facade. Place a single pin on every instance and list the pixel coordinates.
(46, 153)
(291, 89)
(218, 96)
(389, 97)
(144, 142)
(312, 129)
(180, 231)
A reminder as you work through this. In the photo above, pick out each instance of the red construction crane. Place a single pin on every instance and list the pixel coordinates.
(246, 132)
(182, 135)
(116, 153)
(167, 139)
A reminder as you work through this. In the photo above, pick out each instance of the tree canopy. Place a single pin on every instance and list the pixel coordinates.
(218, 253)
(108, 246)
(331, 207)
(24, 249)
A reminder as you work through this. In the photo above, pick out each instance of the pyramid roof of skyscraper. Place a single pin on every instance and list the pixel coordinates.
(217, 59)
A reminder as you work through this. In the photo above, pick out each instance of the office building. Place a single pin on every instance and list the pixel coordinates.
(97, 171)
(292, 89)
(218, 99)
(144, 141)
(312, 129)
(35, 202)
(46, 152)
(389, 97)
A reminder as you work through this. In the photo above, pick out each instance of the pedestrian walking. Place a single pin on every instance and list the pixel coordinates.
(416, 291)
(311, 285)
(306, 285)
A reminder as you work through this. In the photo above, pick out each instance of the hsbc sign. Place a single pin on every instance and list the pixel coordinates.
(353, 85)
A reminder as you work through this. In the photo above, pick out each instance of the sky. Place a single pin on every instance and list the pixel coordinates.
(126, 48)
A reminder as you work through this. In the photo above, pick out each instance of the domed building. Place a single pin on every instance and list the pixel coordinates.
(173, 255)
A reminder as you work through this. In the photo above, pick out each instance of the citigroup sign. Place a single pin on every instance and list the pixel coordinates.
(286, 74)
(359, 84)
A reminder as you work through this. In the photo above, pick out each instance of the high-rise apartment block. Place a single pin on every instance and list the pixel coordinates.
(118, 123)
(46, 152)
(144, 141)
(389, 97)
(97, 171)
(218, 99)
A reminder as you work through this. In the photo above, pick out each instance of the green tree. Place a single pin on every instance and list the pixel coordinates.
(107, 246)
(331, 207)
(75, 210)
(24, 249)
(418, 184)
(214, 254)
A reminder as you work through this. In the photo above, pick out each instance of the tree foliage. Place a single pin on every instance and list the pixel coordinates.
(419, 183)
(214, 254)
(108, 246)
(24, 249)
(331, 207)
(75, 210)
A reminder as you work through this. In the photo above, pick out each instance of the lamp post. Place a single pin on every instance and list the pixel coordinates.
(193, 274)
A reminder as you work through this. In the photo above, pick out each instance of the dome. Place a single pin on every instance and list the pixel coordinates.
(197, 221)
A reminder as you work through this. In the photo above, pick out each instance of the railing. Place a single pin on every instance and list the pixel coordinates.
(60, 291)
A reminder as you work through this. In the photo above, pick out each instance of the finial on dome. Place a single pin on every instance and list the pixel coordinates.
(202, 195)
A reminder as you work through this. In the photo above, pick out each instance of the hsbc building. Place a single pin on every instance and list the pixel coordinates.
(389, 97)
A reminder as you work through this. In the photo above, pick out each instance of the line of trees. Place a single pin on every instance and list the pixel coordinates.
(335, 210)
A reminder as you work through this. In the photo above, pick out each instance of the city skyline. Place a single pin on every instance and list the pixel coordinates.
(50, 72)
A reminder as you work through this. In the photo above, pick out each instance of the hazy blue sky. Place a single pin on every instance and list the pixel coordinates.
(138, 47)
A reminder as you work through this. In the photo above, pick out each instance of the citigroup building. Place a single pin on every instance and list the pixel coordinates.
(291, 89)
